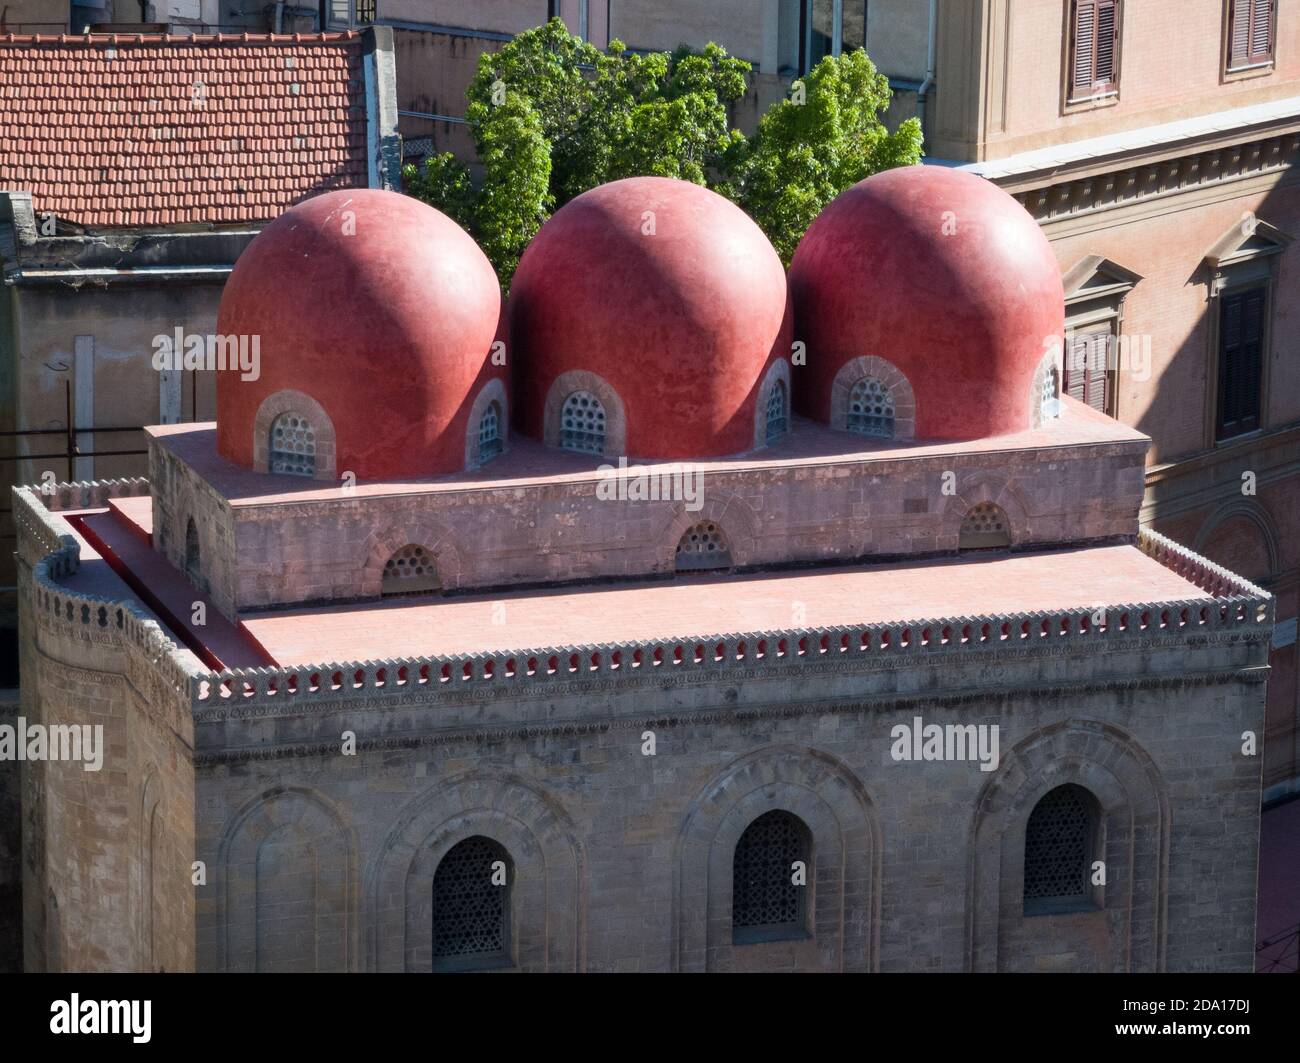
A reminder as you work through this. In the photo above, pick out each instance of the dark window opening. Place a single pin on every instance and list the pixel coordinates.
(471, 905)
(1241, 361)
(1060, 841)
(767, 903)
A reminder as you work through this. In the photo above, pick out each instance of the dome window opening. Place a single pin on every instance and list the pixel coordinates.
(984, 527)
(871, 409)
(1050, 400)
(582, 424)
(409, 571)
(293, 446)
(489, 433)
(778, 419)
(703, 547)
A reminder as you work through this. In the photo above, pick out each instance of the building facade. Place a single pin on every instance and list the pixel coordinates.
(898, 685)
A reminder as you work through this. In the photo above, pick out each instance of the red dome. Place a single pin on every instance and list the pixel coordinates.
(378, 308)
(671, 295)
(945, 276)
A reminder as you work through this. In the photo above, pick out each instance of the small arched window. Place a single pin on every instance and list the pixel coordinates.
(778, 416)
(1060, 842)
(489, 433)
(1050, 402)
(293, 446)
(769, 880)
(409, 571)
(871, 409)
(193, 559)
(985, 526)
(703, 546)
(471, 905)
(582, 423)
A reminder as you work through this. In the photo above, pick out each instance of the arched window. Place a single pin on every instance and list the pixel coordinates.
(582, 423)
(471, 905)
(1060, 842)
(871, 409)
(777, 412)
(1050, 402)
(769, 889)
(984, 526)
(702, 546)
(293, 446)
(489, 433)
(409, 571)
(193, 564)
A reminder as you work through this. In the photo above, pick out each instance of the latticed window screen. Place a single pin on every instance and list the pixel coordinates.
(702, 546)
(777, 417)
(365, 12)
(1058, 846)
(871, 409)
(489, 433)
(582, 423)
(984, 525)
(470, 911)
(409, 571)
(764, 895)
(1049, 400)
(293, 445)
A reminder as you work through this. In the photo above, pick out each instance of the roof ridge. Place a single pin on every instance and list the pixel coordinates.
(188, 39)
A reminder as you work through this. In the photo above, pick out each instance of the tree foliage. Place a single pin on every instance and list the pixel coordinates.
(553, 116)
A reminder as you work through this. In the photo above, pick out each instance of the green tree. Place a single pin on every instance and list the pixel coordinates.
(826, 136)
(553, 116)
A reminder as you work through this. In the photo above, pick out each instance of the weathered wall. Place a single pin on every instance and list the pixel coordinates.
(916, 866)
(107, 853)
(558, 528)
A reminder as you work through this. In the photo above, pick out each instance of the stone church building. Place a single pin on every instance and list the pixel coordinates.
(682, 614)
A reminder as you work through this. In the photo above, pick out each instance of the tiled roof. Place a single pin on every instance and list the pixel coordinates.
(155, 130)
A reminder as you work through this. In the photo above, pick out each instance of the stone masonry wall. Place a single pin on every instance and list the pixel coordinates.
(622, 860)
(557, 530)
(107, 854)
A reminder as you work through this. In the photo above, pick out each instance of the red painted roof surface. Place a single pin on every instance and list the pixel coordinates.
(109, 538)
(152, 130)
(698, 606)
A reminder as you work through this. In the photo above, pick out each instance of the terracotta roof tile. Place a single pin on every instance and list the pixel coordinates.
(149, 129)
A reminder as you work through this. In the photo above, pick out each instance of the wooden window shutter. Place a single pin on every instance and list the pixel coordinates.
(1250, 24)
(1087, 368)
(1241, 360)
(1096, 46)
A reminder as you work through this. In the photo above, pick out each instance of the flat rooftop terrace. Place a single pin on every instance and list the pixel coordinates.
(695, 606)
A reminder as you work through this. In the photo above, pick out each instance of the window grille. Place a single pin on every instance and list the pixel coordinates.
(871, 409)
(1050, 403)
(702, 546)
(489, 433)
(1058, 848)
(470, 912)
(776, 412)
(582, 423)
(409, 571)
(293, 446)
(764, 896)
(984, 525)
